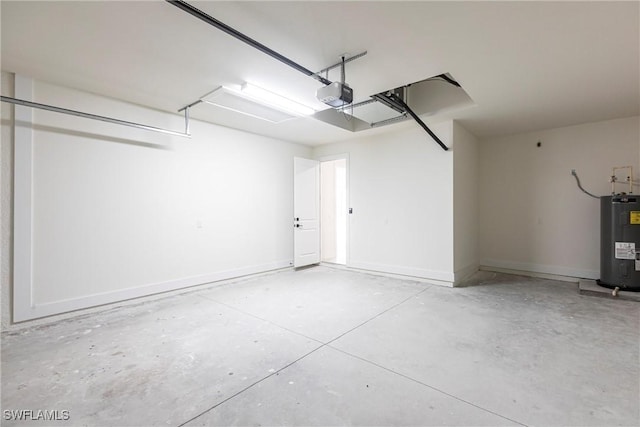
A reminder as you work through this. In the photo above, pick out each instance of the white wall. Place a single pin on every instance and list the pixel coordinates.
(119, 212)
(465, 202)
(401, 192)
(532, 215)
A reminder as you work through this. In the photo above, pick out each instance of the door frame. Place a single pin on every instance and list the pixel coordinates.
(329, 158)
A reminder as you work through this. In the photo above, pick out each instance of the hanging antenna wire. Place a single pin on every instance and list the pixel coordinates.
(575, 175)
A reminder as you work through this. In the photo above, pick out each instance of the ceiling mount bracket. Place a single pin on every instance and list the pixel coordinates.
(363, 103)
(190, 105)
(385, 99)
(389, 121)
(186, 120)
(325, 71)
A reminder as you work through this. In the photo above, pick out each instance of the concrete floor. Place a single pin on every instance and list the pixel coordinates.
(326, 346)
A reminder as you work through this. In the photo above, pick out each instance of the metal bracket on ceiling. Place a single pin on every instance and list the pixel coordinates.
(190, 105)
(385, 99)
(186, 120)
(186, 114)
(362, 103)
(393, 100)
(341, 63)
(389, 121)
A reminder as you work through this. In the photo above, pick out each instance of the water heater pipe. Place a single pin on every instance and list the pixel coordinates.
(614, 178)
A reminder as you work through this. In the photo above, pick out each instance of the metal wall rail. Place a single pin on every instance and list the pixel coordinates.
(55, 109)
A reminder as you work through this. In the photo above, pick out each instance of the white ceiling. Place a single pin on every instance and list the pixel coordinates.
(526, 65)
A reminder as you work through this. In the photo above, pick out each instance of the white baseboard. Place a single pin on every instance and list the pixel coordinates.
(36, 311)
(442, 278)
(553, 272)
(465, 272)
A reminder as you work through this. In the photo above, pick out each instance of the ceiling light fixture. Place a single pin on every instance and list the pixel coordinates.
(276, 101)
(239, 102)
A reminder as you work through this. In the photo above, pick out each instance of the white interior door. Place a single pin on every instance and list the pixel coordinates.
(306, 212)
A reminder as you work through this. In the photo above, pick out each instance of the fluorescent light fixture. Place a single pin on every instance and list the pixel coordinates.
(276, 101)
(238, 102)
(256, 102)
